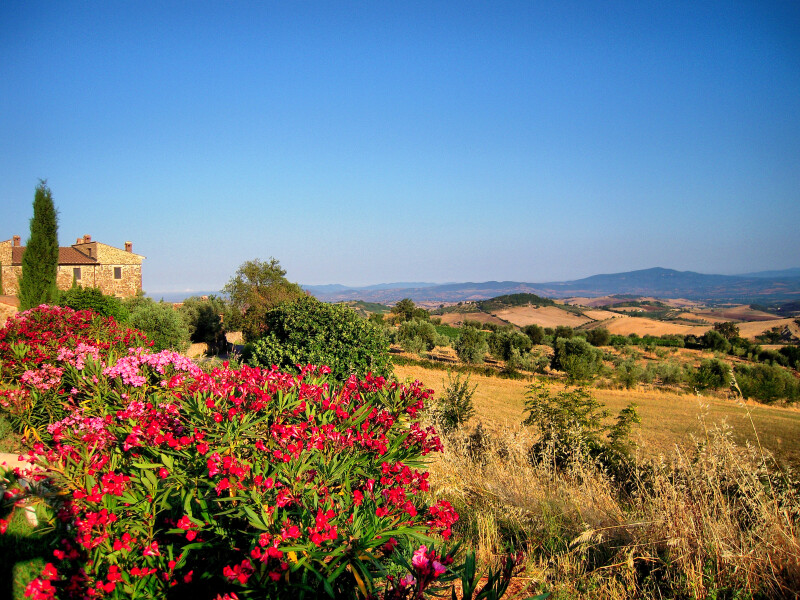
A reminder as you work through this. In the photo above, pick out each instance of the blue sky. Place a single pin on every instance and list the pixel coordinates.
(366, 142)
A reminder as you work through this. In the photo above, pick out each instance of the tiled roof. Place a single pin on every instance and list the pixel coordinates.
(66, 256)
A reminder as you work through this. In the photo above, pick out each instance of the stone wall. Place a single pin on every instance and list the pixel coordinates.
(6, 273)
(100, 275)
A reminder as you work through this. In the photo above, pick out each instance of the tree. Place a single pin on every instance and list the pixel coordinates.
(563, 331)
(535, 333)
(713, 340)
(503, 343)
(308, 331)
(729, 330)
(405, 310)
(598, 337)
(40, 260)
(471, 346)
(577, 358)
(256, 288)
(206, 318)
(418, 335)
(162, 324)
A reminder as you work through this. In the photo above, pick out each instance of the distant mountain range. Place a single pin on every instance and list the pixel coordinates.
(761, 287)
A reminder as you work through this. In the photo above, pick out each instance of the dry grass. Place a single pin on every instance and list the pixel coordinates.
(668, 418)
(545, 316)
(457, 319)
(709, 521)
(626, 325)
(755, 328)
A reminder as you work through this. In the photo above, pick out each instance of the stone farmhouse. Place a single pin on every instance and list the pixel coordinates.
(115, 271)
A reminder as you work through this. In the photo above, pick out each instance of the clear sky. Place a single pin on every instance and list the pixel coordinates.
(367, 142)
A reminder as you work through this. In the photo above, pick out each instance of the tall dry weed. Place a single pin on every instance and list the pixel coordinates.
(716, 520)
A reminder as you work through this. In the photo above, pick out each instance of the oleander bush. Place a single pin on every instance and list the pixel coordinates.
(164, 481)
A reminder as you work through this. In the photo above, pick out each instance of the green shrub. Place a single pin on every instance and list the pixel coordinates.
(714, 340)
(86, 298)
(535, 362)
(577, 358)
(767, 383)
(773, 357)
(598, 337)
(417, 335)
(535, 333)
(162, 324)
(454, 407)
(471, 346)
(308, 331)
(792, 354)
(562, 331)
(503, 343)
(670, 372)
(629, 372)
(572, 423)
(713, 373)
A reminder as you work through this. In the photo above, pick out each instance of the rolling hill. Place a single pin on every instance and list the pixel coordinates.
(763, 287)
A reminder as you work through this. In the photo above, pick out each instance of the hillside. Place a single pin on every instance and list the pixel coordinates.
(766, 287)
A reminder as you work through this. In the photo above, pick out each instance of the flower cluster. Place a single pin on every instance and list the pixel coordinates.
(256, 478)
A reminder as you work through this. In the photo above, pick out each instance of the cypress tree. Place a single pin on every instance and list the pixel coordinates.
(40, 260)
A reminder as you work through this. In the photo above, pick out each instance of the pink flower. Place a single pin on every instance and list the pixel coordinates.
(151, 550)
(419, 559)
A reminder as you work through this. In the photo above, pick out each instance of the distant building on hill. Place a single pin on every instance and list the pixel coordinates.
(115, 271)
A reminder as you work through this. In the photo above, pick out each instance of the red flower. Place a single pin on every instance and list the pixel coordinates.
(152, 550)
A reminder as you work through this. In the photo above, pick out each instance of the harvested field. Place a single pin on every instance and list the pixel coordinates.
(546, 316)
(691, 316)
(457, 319)
(625, 325)
(600, 315)
(740, 312)
(667, 418)
(751, 330)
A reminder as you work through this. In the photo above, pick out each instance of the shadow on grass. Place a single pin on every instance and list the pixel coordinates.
(23, 552)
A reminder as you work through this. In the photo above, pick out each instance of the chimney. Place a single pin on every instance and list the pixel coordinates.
(87, 238)
(16, 242)
(128, 246)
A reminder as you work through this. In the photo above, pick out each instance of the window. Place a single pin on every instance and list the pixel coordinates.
(117, 272)
(76, 273)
